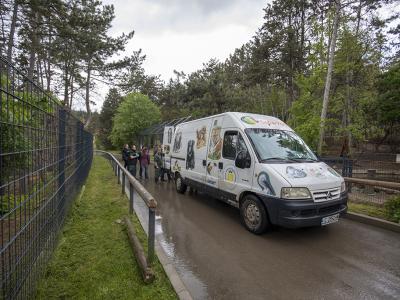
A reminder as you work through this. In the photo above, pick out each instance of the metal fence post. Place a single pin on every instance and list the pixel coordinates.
(131, 198)
(118, 174)
(151, 238)
(344, 166)
(123, 182)
(61, 157)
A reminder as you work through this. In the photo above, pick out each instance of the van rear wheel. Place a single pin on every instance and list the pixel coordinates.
(253, 214)
(180, 185)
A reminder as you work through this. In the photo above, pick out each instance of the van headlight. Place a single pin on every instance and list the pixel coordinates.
(295, 193)
(343, 187)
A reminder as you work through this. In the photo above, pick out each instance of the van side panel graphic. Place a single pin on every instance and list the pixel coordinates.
(190, 160)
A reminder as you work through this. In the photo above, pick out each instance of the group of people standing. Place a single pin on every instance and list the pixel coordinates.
(132, 158)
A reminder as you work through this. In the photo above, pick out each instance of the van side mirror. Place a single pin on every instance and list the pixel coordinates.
(243, 160)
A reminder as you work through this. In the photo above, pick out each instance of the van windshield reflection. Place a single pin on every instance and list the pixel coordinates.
(274, 145)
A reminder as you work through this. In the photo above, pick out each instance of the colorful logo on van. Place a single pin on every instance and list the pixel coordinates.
(295, 173)
(201, 137)
(176, 167)
(230, 175)
(177, 142)
(265, 183)
(214, 151)
(248, 120)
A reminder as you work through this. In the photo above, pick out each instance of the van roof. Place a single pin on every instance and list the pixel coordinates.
(249, 120)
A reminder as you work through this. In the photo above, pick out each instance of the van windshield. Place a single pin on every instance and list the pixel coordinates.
(279, 145)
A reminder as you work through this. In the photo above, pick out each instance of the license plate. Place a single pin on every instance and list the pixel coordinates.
(329, 220)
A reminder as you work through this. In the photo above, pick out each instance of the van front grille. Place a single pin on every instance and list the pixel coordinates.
(326, 195)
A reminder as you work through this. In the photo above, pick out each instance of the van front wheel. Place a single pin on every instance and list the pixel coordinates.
(254, 215)
(180, 185)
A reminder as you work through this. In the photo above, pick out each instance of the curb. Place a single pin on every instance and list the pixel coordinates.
(373, 221)
(173, 276)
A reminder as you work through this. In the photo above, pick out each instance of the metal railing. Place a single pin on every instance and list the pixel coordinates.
(375, 192)
(124, 178)
(45, 157)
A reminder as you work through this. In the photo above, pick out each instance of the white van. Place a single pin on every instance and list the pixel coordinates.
(258, 164)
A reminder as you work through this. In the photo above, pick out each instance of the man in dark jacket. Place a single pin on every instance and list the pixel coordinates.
(125, 154)
(132, 160)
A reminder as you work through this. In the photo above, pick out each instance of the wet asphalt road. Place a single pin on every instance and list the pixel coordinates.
(218, 259)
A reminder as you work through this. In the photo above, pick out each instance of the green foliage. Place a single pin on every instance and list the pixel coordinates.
(135, 113)
(281, 71)
(368, 209)
(388, 86)
(18, 111)
(305, 112)
(392, 207)
(110, 105)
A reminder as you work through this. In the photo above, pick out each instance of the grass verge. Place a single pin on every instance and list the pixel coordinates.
(93, 259)
(368, 209)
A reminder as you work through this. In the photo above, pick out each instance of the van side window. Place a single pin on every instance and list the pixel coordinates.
(230, 145)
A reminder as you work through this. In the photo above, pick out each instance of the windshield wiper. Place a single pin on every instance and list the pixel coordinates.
(278, 158)
(304, 158)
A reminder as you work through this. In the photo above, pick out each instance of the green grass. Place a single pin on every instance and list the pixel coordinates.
(93, 259)
(368, 209)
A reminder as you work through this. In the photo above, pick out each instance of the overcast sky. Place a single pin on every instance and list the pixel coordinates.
(183, 34)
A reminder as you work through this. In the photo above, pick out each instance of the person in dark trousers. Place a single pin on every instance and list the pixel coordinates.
(144, 163)
(140, 165)
(132, 160)
(165, 166)
(157, 165)
(125, 154)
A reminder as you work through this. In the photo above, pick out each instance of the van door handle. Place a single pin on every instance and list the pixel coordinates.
(220, 165)
(204, 162)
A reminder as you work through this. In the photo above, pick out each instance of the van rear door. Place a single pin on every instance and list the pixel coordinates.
(214, 152)
(196, 136)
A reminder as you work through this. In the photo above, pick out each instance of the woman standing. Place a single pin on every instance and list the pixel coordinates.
(144, 163)
(125, 154)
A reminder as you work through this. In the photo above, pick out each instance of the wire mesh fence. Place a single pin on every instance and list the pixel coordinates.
(375, 171)
(45, 156)
(366, 167)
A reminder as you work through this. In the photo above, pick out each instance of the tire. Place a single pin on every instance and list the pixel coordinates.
(179, 184)
(253, 215)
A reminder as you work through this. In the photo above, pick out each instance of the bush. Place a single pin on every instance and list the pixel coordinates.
(135, 113)
(392, 207)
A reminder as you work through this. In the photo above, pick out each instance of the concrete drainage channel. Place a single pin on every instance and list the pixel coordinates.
(135, 191)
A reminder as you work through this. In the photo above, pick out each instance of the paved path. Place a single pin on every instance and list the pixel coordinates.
(219, 259)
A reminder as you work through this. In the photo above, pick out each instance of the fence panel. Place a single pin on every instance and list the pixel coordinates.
(45, 157)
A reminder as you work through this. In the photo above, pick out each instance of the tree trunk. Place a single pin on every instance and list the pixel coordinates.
(33, 48)
(12, 31)
(66, 84)
(47, 71)
(328, 77)
(87, 97)
(71, 97)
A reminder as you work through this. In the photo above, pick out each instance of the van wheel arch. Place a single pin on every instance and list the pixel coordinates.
(180, 185)
(245, 193)
(254, 214)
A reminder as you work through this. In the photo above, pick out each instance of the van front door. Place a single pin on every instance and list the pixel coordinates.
(214, 152)
(233, 179)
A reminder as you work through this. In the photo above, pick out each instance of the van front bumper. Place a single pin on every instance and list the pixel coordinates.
(302, 213)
